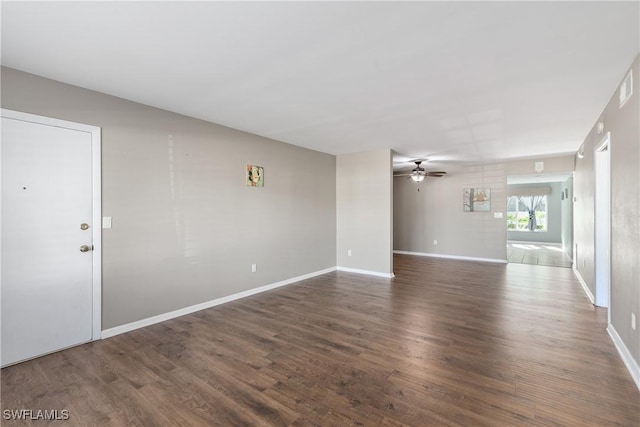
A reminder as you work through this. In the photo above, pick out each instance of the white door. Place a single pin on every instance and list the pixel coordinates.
(47, 288)
(603, 221)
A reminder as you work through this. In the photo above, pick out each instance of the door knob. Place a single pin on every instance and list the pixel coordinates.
(84, 248)
(84, 226)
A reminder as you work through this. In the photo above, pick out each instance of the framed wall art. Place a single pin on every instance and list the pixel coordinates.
(255, 176)
(476, 199)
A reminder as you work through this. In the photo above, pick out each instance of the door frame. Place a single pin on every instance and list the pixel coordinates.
(96, 203)
(602, 222)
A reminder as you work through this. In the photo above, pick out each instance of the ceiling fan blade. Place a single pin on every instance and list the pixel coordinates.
(402, 174)
(436, 173)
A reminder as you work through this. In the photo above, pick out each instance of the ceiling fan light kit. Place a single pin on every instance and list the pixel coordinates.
(418, 174)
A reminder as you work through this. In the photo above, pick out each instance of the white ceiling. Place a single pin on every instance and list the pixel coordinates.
(459, 82)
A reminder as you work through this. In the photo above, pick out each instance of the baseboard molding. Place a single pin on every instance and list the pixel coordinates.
(627, 358)
(584, 285)
(464, 258)
(530, 242)
(107, 333)
(367, 272)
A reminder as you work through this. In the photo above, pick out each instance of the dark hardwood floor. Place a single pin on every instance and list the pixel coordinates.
(444, 343)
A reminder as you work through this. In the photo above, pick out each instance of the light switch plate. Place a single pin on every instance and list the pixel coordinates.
(106, 222)
(497, 214)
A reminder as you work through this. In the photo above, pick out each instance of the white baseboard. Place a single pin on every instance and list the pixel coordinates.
(627, 358)
(584, 285)
(464, 258)
(531, 242)
(107, 333)
(367, 272)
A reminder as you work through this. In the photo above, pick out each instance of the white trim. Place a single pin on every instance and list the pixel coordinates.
(528, 242)
(527, 231)
(584, 284)
(117, 330)
(464, 258)
(627, 358)
(367, 272)
(96, 203)
(96, 191)
(602, 223)
(50, 121)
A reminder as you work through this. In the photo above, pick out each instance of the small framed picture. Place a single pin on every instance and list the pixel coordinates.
(255, 176)
(476, 200)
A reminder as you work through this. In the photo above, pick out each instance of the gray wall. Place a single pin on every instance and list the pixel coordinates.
(625, 212)
(365, 211)
(436, 213)
(554, 212)
(552, 164)
(186, 229)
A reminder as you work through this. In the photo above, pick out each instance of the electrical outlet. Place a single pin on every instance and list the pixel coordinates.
(254, 268)
(349, 252)
(435, 243)
(633, 321)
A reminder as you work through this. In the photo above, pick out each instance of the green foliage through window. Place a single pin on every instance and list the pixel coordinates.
(518, 215)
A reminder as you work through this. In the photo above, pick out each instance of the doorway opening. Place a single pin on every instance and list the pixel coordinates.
(602, 158)
(540, 219)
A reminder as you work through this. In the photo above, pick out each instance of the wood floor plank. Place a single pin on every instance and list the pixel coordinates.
(444, 343)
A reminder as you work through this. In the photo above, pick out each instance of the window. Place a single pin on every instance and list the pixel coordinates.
(518, 213)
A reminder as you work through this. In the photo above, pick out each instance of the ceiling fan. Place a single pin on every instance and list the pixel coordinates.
(418, 173)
